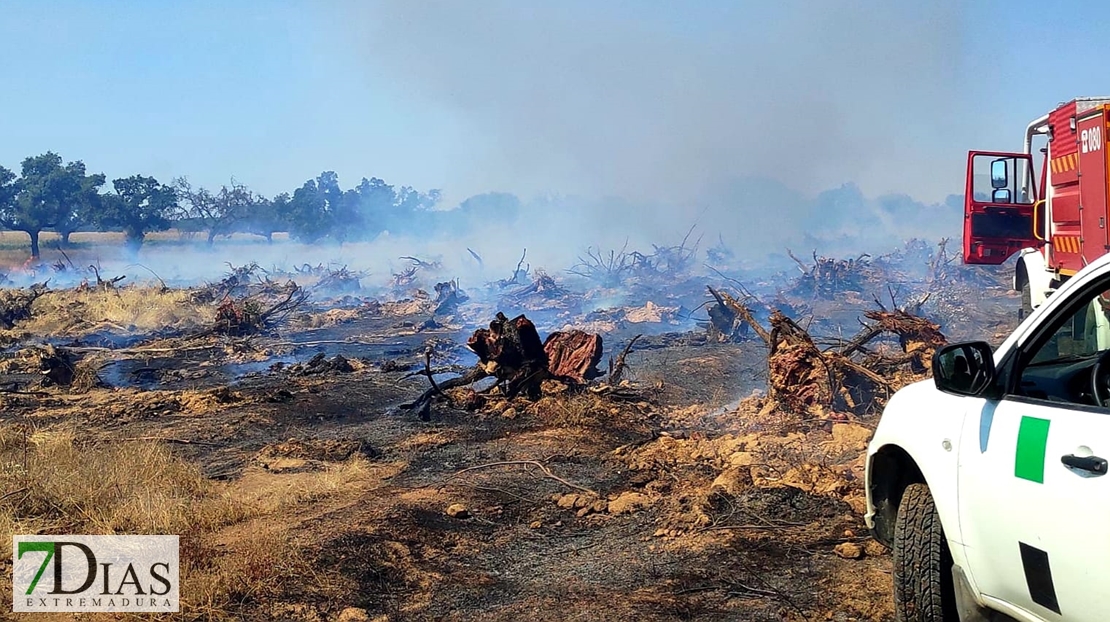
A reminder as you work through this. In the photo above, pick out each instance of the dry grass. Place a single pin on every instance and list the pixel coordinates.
(135, 487)
(233, 553)
(216, 581)
(72, 311)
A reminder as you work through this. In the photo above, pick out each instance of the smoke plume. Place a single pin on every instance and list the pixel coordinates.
(737, 117)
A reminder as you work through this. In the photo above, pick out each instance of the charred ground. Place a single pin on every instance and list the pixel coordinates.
(643, 436)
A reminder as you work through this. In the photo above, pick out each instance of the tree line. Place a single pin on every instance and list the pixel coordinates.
(51, 195)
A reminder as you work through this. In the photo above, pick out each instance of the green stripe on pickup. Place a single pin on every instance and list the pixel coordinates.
(1031, 443)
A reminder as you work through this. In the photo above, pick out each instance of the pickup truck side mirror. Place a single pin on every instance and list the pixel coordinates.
(964, 368)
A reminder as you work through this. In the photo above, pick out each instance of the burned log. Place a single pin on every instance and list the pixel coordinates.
(800, 375)
(63, 367)
(803, 378)
(543, 287)
(510, 350)
(320, 364)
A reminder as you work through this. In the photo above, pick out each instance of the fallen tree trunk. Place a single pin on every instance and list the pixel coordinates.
(800, 375)
(510, 350)
(803, 378)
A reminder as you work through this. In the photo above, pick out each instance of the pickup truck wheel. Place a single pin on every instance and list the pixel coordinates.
(923, 590)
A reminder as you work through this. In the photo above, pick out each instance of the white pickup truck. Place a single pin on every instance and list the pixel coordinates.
(989, 481)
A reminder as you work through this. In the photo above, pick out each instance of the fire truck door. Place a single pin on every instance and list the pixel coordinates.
(1091, 134)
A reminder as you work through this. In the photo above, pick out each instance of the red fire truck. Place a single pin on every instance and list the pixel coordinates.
(1057, 226)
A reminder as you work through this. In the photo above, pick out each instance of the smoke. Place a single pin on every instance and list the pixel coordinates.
(838, 125)
(734, 117)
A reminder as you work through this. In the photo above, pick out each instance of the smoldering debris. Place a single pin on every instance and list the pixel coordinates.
(44, 366)
(828, 276)
(448, 297)
(800, 320)
(850, 377)
(238, 317)
(15, 304)
(511, 352)
(625, 397)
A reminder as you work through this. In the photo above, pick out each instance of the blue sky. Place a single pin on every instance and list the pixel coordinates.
(599, 98)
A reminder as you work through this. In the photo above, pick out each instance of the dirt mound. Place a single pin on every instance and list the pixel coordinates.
(295, 455)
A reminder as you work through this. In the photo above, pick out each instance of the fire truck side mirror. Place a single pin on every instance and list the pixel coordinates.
(1001, 196)
(999, 174)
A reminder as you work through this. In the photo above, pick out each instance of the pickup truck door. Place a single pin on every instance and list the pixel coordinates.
(1034, 494)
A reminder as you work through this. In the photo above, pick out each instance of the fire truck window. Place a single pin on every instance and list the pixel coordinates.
(987, 171)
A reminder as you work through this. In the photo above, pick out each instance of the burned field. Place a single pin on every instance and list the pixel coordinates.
(659, 436)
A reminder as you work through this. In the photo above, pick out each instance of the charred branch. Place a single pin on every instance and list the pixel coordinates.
(616, 369)
(105, 285)
(607, 271)
(720, 253)
(424, 265)
(519, 274)
(476, 257)
(448, 297)
(543, 286)
(729, 320)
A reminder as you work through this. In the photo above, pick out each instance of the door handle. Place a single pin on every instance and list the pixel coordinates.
(1094, 464)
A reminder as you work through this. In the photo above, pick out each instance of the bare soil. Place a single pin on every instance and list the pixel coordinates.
(652, 545)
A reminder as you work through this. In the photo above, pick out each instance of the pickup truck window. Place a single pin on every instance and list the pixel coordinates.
(1059, 369)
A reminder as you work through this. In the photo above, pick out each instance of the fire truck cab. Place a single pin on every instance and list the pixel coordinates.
(1055, 227)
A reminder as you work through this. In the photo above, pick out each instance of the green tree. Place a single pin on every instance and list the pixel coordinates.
(320, 208)
(267, 216)
(140, 205)
(84, 209)
(48, 195)
(8, 190)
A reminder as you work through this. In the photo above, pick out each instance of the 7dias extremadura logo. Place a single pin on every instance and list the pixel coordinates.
(95, 573)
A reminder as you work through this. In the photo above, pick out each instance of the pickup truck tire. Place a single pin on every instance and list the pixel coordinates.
(923, 589)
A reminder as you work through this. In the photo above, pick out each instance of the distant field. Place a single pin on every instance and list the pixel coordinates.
(17, 240)
(15, 246)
